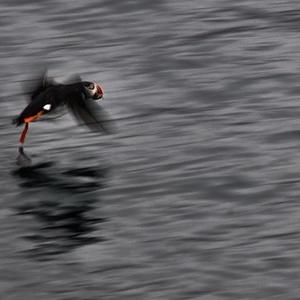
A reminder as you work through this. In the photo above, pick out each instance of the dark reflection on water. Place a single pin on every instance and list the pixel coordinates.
(64, 213)
(69, 180)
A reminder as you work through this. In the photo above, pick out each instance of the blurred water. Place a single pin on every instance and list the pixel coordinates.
(196, 195)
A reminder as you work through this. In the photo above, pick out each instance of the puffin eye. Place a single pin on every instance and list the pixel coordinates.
(89, 85)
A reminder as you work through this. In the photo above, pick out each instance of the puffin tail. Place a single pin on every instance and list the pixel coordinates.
(16, 121)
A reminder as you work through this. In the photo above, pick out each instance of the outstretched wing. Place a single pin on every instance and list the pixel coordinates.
(90, 113)
(34, 87)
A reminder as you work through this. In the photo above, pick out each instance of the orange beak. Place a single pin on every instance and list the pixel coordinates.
(99, 92)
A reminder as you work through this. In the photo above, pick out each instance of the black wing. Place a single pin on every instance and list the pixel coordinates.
(34, 87)
(90, 112)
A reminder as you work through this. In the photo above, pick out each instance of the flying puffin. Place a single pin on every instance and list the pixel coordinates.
(80, 97)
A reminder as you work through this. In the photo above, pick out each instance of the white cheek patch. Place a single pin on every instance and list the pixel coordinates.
(94, 91)
(47, 107)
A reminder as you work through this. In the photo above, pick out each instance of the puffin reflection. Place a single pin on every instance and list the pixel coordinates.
(63, 204)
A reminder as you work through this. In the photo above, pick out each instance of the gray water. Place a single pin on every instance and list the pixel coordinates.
(195, 196)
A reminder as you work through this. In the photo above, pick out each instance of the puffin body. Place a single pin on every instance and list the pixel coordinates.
(79, 97)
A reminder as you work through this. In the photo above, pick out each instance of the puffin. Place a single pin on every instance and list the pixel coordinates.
(80, 97)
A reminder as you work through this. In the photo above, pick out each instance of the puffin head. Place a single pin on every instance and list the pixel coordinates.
(93, 89)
